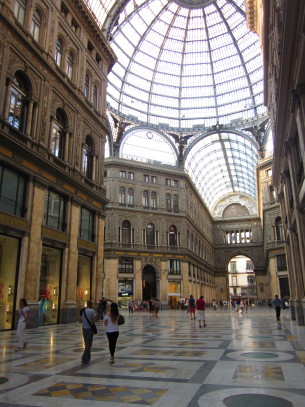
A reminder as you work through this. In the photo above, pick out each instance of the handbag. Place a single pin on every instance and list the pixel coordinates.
(121, 320)
(93, 326)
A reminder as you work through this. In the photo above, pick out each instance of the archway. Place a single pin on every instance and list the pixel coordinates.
(241, 279)
(149, 283)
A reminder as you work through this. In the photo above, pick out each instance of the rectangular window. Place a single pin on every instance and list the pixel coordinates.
(122, 174)
(125, 265)
(175, 183)
(86, 224)
(146, 178)
(154, 179)
(251, 280)
(130, 175)
(234, 281)
(54, 211)
(167, 181)
(249, 266)
(12, 187)
(281, 262)
(233, 266)
(174, 267)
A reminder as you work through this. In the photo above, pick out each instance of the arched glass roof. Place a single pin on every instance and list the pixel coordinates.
(182, 63)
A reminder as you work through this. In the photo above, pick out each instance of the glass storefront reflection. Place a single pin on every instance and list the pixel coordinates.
(83, 285)
(49, 285)
(9, 249)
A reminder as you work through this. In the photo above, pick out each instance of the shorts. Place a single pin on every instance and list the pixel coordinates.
(192, 309)
(200, 315)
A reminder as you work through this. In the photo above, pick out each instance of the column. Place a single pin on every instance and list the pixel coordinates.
(29, 118)
(34, 120)
(7, 99)
(99, 272)
(67, 144)
(51, 131)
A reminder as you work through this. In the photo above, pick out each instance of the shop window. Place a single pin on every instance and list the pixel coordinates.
(58, 52)
(19, 10)
(126, 233)
(58, 134)
(12, 188)
(50, 271)
(87, 164)
(86, 227)
(83, 283)
(174, 267)
(18, 102)
(125, 265)
(36, 25)
(54, 211)
(70, 61)
(130, 196)
(122, 195)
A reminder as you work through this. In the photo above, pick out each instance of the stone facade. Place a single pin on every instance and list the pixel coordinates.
(53, 74)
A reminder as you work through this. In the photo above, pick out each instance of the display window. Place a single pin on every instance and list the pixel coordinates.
(84, 277)
(50, 272)
(9, 260)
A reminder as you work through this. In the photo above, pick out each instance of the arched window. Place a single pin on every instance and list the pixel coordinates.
(150, 235)
(172, 236)
(168, 202)
(70, 61)
(126, 233)
(175, 203)
(19, 11)
(87, 86)
(87, 167)
(122, 195)
(58, 135)
(278, 228)
(153, 198)
(95, 104)
(145, 198)
(18, 103)
(130, 196)
(58, 52)
(35, 25)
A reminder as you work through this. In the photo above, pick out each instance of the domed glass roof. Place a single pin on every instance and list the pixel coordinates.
(183, 63)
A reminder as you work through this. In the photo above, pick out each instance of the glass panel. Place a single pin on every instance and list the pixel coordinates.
(9, 249)
(50, 272)
(12, 192)
(83, 285)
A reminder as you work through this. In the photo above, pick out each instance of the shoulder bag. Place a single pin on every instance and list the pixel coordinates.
(93, 326)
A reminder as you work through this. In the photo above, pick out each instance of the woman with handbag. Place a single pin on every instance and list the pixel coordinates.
(112, 328)
(88, 317)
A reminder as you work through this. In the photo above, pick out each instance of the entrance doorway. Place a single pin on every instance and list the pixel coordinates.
(149, 283)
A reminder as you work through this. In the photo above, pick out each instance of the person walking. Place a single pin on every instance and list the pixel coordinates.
(24, 312)
(112, 328)
(277, 303)
(88, 317)
(130, 307)
(192, 307)
(156, 307)
(200, 304)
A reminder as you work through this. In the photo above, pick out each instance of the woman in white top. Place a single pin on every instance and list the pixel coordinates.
(112, 328)
(23, 316)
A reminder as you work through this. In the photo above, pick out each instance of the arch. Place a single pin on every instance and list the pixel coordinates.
(172, 236)
(150, 236)
(149, 282)
(235, 210)
(130, 196)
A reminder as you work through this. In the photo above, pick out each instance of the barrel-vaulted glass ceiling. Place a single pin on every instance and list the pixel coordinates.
(187, 66)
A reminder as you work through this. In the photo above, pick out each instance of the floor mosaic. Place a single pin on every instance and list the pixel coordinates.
(236, 361)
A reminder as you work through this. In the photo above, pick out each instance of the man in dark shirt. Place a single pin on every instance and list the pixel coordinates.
(277, 303)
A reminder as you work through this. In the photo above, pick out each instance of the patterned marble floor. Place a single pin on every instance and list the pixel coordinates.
(236, 361)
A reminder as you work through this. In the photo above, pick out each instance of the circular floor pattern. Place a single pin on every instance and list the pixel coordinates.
(254, 400)
(12, 380)
(260, 356)
(3, 380)
(251, 397)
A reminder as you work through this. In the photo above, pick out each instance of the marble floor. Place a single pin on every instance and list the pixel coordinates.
(247, 360)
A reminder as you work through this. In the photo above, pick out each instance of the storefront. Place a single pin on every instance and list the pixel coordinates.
(9, 261)
(84, 278)
(50, 275)
(174, 294)
(125, 292)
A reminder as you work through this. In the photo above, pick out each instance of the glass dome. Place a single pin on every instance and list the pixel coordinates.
(185, 64)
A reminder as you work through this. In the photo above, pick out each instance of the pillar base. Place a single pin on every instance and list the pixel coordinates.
(68, 313)
(299, 311)
(292, 309)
